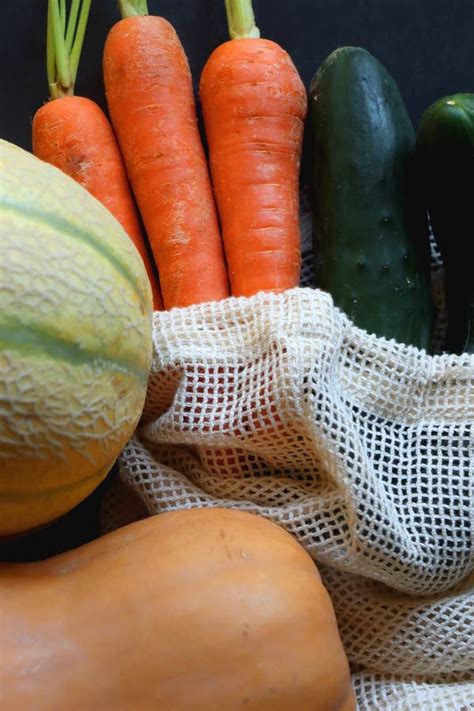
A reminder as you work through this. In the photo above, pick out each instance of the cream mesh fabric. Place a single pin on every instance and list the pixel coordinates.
(360, 447)
(382, 693)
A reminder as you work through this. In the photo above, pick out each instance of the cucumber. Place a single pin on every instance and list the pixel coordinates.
(371, 238)
(445, 153)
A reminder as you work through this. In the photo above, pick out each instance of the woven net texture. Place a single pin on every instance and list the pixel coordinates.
(360, 447)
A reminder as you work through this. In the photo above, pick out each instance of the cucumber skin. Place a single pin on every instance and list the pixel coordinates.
(371, 237)
(445, 154)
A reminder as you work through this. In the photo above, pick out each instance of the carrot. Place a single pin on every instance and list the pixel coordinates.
(73, 133)
(150, 98)
(254, 105)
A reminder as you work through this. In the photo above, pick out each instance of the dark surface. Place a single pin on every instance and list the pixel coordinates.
(79, 526)
(427, 45)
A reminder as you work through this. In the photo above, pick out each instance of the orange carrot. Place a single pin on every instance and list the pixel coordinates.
(73, 133)
(254, 105)
(150, 98)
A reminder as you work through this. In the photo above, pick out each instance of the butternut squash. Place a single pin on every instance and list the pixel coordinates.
(199, 610)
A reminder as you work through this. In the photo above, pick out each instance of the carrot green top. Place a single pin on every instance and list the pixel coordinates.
(240, 19)
(65, 36)
(132, 8)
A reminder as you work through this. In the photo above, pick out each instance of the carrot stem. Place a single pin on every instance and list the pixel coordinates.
(50, 59)
(72, 24)
(132, 8)
(240, 19)
(62, 15)
(65, 36)
(63, 75)
(79, 38)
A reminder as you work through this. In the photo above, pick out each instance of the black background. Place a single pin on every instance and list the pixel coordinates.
(427, 45)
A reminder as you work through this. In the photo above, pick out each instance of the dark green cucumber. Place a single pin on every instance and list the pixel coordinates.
(371, 237)
(445, 153)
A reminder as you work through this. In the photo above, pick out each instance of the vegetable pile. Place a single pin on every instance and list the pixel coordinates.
(231, 228)
(116, 216)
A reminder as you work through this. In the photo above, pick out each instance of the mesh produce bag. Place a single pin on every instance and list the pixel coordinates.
(360, 447)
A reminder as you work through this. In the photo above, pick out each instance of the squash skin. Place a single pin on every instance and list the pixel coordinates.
(186, 611)
(75, 341)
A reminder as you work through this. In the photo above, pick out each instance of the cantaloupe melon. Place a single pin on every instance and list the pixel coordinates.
(75, 341)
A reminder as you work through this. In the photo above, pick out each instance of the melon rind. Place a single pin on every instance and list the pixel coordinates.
(75, 341)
